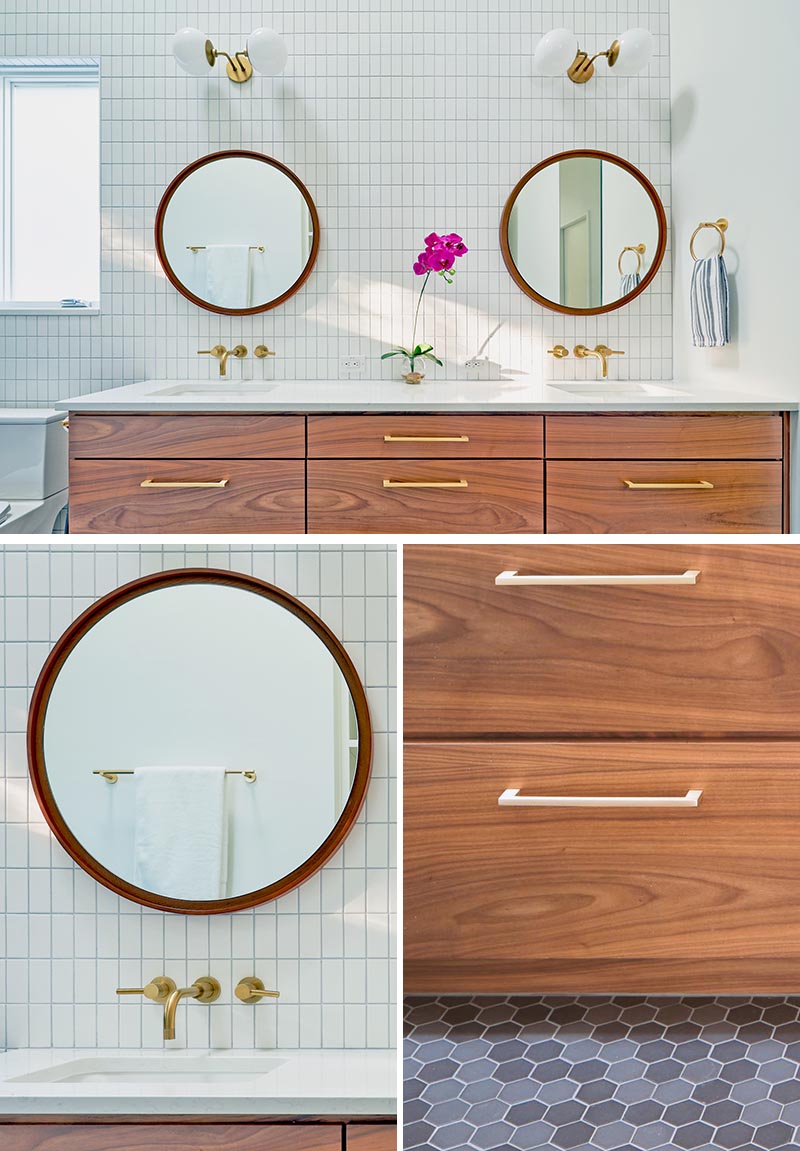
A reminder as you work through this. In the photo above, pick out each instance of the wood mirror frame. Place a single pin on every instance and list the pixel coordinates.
(38, 770)
(661, 246)
(159, 232)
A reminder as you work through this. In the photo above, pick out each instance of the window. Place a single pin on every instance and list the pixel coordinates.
(50, 184)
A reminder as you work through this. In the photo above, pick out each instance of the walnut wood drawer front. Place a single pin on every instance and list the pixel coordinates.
(180, 437)
(425, 496)
(684, 496)
(426, 437)
(640, 898)
(666, 436)
(182, 1135)
(650, 650)
(187, 496)
(371, 1137)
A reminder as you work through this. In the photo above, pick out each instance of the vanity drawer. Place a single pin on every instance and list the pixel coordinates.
(181, 437)
(666, 436)
(370, 1137)
(456, 436)
(258, 496)
(180, 1135)
(715, 657)
(586, 899)
(596, 496)
(425, 496)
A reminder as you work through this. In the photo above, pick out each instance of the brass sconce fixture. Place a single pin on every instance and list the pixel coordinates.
(265, 52)
(558, 52)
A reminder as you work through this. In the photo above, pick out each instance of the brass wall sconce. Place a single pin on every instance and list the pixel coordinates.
(265, 52)
(558, 52)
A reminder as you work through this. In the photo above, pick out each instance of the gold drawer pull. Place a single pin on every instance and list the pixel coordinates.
(426, 439)
(698, 485)
(426, 483)
(512, 798)
(514, 579)
(183, 484)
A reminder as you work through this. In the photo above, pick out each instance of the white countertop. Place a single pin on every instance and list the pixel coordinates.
(305, 1082)
(232, 395)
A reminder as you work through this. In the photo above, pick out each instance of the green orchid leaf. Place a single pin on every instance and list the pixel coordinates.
(421, 349)
(435, 359)
(388, 355)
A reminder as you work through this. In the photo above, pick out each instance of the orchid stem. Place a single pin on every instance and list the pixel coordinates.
(416, 317)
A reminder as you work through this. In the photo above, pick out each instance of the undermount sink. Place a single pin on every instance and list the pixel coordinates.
(615, 388)
(222, 390)
(199, 1070)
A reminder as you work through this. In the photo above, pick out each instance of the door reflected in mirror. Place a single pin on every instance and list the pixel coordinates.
(237, 233)
(204, 741)
(583, 233)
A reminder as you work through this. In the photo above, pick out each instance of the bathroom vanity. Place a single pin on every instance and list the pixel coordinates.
(488, 458)
(601, 769)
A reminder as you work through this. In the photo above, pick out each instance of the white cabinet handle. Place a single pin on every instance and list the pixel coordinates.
(512, 798)
(514, 579)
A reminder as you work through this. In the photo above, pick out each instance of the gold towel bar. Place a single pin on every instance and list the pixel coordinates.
(639, 249)
(202, 247)
(721, 226)
(113, 776)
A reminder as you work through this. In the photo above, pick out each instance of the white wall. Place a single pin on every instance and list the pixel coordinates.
(735, 153)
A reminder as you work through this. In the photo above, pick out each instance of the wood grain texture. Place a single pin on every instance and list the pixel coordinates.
(178, 1136)
(590, 497)
(191, 437)
(348, 496)
(719, 658)
(261, 496)
(371, 1137)
(362, 437)
(666, 435)
(485, 884)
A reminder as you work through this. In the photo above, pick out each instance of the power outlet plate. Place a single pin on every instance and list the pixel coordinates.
(477, 368)
(351, 364)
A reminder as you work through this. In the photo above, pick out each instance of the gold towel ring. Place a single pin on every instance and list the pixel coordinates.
(720, 225)
(640, 250)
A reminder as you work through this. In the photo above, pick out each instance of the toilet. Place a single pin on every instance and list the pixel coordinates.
(33, 469)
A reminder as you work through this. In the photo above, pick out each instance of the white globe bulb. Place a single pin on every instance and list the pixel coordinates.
(267, 51)
(189, 49)
(635, 49)
(555, 52)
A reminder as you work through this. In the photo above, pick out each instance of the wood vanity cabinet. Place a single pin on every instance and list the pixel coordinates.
(429, 473)
(189, 1133)
(631, 689)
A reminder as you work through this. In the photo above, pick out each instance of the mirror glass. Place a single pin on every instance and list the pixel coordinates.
(203, 675)
(583, 233)
(237, 233)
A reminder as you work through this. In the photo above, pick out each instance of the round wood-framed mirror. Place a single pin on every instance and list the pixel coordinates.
(583, 232)
(205, 689)
(237, 233)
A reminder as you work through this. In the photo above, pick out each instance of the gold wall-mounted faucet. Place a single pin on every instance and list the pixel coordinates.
(205, 990)
(601, 352)
(559, 351)
(158, 990)
(251, 989)
(221, 353)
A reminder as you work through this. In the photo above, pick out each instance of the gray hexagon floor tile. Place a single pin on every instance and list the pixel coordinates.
(607, 1074)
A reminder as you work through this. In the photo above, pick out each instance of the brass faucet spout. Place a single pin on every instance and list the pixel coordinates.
(601, 353)
(205, 990)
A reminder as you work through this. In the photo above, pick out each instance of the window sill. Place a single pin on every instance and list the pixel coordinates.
(7, 309)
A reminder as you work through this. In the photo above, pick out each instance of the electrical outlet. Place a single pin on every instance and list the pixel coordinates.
(473, 365)
(351, 364)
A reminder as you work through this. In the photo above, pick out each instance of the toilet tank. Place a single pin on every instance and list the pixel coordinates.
(33, 453)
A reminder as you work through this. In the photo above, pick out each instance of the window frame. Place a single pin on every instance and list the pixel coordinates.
(39, 72)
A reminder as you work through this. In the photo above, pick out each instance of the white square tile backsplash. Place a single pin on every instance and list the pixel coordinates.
(68, 943)
(400, 118)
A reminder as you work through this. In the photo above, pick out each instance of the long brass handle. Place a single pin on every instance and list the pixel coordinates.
(426, 483)
(426, 439)
(512, 798)
(184, 483)
(696, 485)
(514, 579)
(158, 990)
(250, 989)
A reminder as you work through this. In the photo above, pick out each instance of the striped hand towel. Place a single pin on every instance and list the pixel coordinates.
(628, 282)
(708, 303)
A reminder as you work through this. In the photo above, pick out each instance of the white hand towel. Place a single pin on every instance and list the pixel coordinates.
(180, 840)
(228, 275)
(708, 302)
(628, 281)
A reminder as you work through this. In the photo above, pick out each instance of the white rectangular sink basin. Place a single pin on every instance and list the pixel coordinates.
(610, 388)
(156, 1069)
(221, 390)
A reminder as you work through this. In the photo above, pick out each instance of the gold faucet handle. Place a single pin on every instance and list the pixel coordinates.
(559, 351)
(604, 350)
(261, 351)
(158, 989)
(218, 351)
(251, 989)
